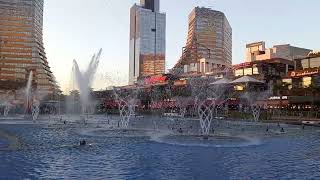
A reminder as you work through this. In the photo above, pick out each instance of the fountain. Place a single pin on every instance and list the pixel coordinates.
(207, 99)
(153, 132)
(182, 103)
(6, 106)
(126, 110)
(28, 93)
(256, 101)
(256, 110)
(84, 80)
(205, 112)
(126, 104)
(35, 110)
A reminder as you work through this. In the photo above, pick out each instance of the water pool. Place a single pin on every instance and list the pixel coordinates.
(52, 153)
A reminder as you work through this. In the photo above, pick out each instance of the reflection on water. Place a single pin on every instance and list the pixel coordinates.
(3, 143)
(222, 141)
(51, 153)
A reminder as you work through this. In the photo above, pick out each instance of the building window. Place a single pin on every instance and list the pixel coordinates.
(202, 67)
(248, 71)
(238, 72)
(315, 62)
(255, 70)
(306, 82)
(305, 63)
(289, 82)
(239, 88)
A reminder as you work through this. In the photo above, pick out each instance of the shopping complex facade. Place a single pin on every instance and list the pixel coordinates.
(292, 74)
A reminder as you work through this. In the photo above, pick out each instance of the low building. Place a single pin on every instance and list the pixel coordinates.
(306, 74)
(287, 70)
(258, 52)
(270, 70)
(302, 85)
(269, 65)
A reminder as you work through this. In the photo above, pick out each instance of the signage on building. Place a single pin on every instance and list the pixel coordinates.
(155, 80)
(304, 73)
(278, 98)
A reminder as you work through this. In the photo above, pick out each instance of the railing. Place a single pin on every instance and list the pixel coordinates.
(295, 115)
(277, 115)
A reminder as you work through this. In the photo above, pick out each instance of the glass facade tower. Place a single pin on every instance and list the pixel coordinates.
(209, 43)
(21, 44)
(147, 40)
(150, 4)
(211, 30)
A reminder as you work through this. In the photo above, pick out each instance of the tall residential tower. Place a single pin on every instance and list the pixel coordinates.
(147, 40)
(209, 42)
(21, 45)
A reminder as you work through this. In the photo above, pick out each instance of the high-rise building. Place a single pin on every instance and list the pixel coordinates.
(153, 5)
(21, 45)
(209, 42)
(147, 40)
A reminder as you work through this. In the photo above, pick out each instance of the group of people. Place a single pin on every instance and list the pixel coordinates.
(281, 130)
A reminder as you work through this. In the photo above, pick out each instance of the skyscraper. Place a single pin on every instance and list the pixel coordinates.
(153, 5)
(147, 40)
(21, 44)
(209, 42)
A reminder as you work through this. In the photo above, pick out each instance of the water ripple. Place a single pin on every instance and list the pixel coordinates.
(54, 154)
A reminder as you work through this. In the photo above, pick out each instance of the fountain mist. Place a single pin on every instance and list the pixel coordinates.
(84, 79)
(28, 96)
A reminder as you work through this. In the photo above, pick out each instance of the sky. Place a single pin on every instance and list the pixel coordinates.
(76, 29)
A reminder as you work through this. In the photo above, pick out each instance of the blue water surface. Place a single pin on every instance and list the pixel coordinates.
(3, 143)
(51, 153)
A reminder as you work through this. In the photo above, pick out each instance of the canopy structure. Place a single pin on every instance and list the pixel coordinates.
(247, 79)
(222, 82)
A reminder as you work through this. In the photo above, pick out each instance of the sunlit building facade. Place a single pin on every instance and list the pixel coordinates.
(147, 40)
(306, 74)
(21, 44)
(257, 51)
(269, 64)
(209, 42)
